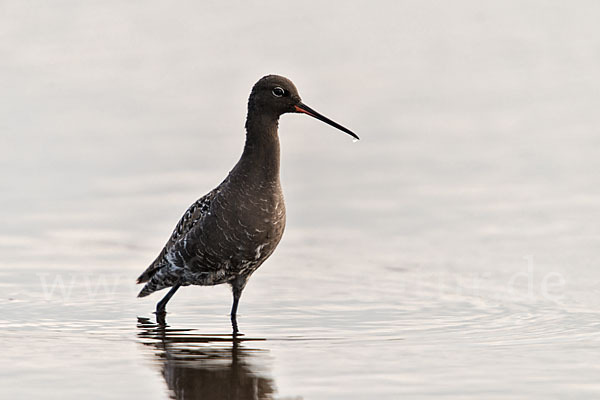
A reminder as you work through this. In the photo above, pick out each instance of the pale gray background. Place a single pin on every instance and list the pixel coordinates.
(451, 253)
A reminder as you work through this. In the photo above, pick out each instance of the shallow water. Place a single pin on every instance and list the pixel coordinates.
(452, 252)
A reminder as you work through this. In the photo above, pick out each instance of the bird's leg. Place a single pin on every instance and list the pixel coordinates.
(160, 307)
(237, 292)
(237, 285)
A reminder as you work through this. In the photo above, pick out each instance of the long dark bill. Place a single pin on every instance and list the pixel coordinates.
(303, 108)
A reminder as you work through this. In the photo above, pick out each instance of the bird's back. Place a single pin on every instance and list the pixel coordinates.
(192, 217)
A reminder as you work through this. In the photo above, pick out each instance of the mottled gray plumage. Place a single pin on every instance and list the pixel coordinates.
(227, 234)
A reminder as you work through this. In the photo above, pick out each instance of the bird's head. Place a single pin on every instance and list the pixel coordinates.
(276, 95)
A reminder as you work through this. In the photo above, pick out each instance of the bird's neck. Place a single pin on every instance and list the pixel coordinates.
(261, 152)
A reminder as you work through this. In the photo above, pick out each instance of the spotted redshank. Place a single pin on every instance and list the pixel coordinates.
(227, 234)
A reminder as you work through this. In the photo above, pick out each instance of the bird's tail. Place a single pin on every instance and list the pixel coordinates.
(145, 276)
(146, 290)
(157, 278)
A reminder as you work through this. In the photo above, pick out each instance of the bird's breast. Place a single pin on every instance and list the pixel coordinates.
(252, 220)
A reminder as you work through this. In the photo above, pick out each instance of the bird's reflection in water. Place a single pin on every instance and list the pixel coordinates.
(198, 366)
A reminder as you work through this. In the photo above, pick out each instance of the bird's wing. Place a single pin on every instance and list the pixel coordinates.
(192, 217)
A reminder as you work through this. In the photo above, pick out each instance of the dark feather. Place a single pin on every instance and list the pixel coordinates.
(192, 217)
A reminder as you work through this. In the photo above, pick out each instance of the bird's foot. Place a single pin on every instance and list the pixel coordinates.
(235, 331)
(161, 317)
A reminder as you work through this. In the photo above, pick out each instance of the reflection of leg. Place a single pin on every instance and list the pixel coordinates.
(236, 299)
(160, 307)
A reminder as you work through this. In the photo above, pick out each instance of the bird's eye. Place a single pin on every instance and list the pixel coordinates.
(278, 92)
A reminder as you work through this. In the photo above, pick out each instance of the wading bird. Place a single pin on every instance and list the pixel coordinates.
(227, 234)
